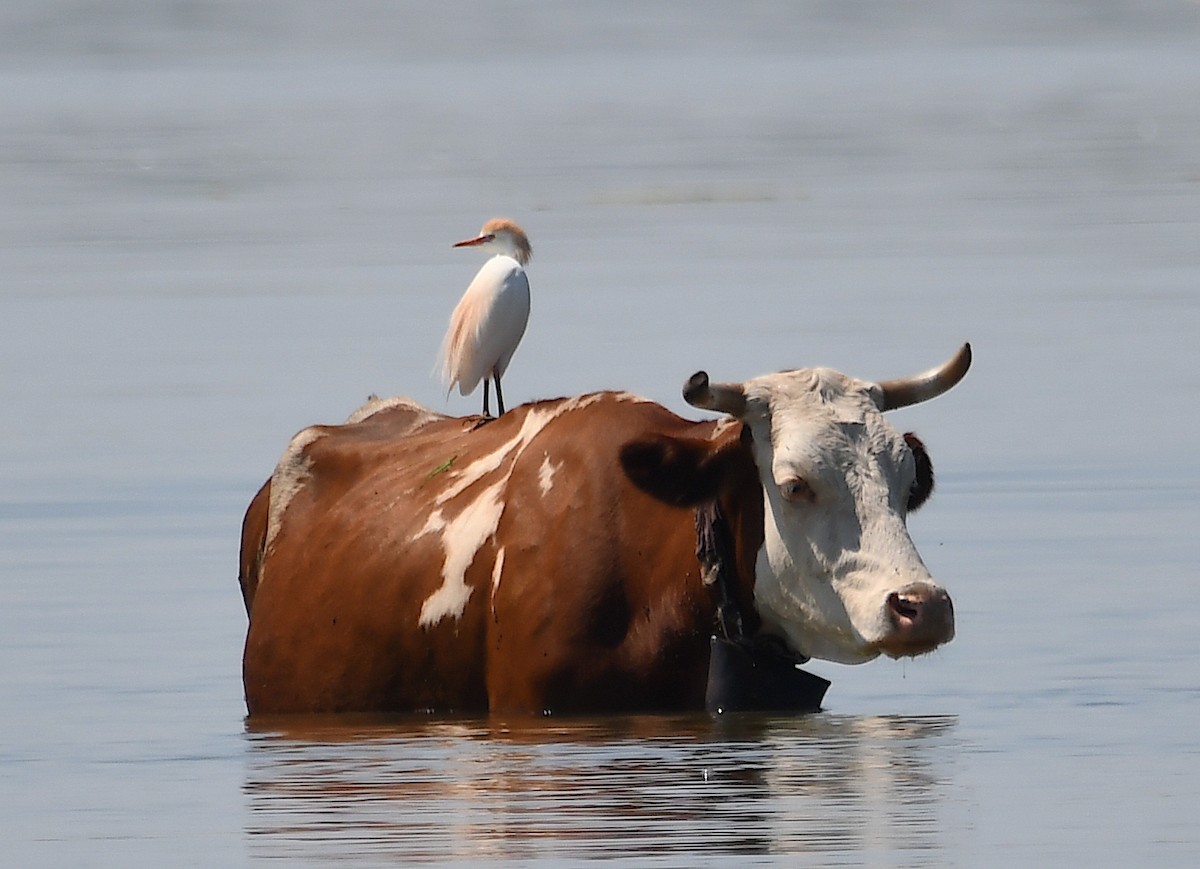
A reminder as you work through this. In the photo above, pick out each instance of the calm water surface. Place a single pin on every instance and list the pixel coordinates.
(222, 222)
(647, 790)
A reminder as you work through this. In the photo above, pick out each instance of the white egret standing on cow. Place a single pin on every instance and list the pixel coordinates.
(489, 320)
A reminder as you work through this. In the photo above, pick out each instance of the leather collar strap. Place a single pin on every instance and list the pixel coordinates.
(714, 549)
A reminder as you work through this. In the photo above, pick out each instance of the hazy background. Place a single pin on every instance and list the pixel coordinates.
(221, 222)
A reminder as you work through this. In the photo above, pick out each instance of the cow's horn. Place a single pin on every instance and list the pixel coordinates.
(725, 397)
(895, 394)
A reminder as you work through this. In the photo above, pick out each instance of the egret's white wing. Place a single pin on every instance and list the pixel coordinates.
(487, 324)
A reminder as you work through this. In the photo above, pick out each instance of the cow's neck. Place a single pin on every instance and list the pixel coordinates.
(729, 574)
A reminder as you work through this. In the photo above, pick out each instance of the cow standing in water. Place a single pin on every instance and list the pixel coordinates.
(547, 561)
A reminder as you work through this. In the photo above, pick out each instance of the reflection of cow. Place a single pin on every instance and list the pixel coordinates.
(547, 560)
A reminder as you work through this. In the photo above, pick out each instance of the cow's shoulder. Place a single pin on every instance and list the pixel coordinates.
(325, 461)
(383, 432)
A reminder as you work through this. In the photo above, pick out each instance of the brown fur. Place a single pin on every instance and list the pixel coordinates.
(600, 605)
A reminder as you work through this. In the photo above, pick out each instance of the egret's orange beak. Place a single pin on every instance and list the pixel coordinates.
(479, 239)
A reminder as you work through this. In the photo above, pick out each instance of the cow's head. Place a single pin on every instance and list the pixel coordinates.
(837, 573)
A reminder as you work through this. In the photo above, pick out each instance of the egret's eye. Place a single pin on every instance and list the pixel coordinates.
(797, 490)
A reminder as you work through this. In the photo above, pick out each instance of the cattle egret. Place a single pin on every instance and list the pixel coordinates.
(489, 320)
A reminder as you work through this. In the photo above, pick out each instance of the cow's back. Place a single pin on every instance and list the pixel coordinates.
(409, 560)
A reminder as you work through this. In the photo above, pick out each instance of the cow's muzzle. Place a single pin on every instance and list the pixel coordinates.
(922, 618)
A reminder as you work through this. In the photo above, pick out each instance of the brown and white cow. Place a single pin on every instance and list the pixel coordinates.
(546, 560)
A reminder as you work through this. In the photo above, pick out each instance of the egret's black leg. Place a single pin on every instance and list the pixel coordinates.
(499, 395)
(485, 397)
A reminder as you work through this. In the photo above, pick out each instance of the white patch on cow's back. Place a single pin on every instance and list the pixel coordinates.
(375, 404)
(291, 473)
(476, 522)
(631, 397)
(433, 525)
(498, 568)
(546, 475)
(579, 402)
(462, 538)
(535, 420)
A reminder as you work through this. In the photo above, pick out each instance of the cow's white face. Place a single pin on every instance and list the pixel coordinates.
(838, 574)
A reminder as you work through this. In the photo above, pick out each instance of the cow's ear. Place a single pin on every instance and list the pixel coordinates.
(686, 471)
(922, 486)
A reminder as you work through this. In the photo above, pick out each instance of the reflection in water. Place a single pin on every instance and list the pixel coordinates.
(423, 790)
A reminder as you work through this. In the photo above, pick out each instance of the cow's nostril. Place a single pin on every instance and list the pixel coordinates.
(904, 607)
(922, 618)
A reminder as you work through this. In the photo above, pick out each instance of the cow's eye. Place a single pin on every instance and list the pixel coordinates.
(797, 490)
